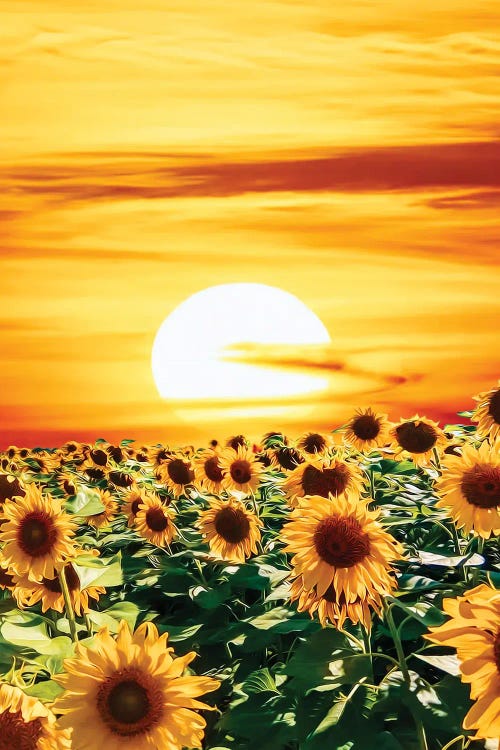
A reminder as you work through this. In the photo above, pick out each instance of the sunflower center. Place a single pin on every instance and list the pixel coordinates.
(289, 458)
(130, 702)
(341, 542)
(496, 651)
(179, 472)
(18, 734)
(232, 525)
(416, 438)
(36, 534)
(213, 470)
(156, 519)
(95, 474)
(237, 441)
(366, 427)
(241, 471)
(481, 485)
(54, 585)
(99, 457)
(116, 453)
(314, 443)
(324, 481)
(494, 406)
(134, 506)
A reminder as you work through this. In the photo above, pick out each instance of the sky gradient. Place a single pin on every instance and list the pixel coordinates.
(346, 153)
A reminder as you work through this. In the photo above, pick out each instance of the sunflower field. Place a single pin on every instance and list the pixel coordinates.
(339, 591)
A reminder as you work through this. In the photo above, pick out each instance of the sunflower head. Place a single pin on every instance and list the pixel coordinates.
(177, 473)
(487, 413)
(106, 516)
(131, 692)
(10, 487)
(154, 521)
(323, 477)
(314, 444)
(237, 441)
(231, 530)
(417, 438)
(208, 471)
(241, 469)
(287, 458)
(26, 724)
(367, 430)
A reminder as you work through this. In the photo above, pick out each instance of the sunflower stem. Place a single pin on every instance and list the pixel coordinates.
(368, 647)
(67, 604)
(477, 571)
(422, 739)
(88, 624)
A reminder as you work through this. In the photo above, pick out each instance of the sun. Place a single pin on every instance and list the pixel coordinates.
(194, 346)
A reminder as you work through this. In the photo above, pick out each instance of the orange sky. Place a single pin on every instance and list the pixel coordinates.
(348, 153)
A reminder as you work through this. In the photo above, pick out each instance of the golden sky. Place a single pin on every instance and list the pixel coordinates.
(347, 153)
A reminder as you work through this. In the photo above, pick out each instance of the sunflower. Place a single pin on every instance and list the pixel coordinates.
(339, 542)
(154, 521)
(159, 455)
(416, 438)
(474, 630)
(48, 591)
(314, 444)
(177, 473)
(26, 724)
(6, 579)
(241, 469)
(10, 487)
(237, 441)
(131, 692)
(287, 458)
(67, 483)
(324, 477)
(334, 606)
(367, 430)
(106, 516)
(37, 535)
(133, 500)
(487, 413)
(208, 472)
(469, 489)
(231, 530)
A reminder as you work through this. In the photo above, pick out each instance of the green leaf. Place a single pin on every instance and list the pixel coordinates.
(86, 502)
(260, 681)
(46, 691)
(309, 665)
(35, 637)
(448, 663)
(111, 618)
(100, 571)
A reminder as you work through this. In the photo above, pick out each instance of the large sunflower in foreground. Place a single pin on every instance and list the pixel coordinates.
(48, 591)
(177, 473)
(469, 489)
(417, 438)
(474, 631)
(231, 530)
(37, 535)
(487, 413)
(334, 606)
(241, 469)
(323, 477)
(367, 430)
(339, 542)
(154, 521)
(26, 724)
(131, 693)
(209, 474)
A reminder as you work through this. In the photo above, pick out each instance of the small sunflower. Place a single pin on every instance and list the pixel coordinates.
(334, 607)
(159, 455)
(26, 724)
(67, 483)
(314, 444)
(230, 529)
(177, 473)
(324, 477)
(133, 500)
(474, 631)
(208, 472)
(154, 522)
(37, 535)
(367, 430)
(416, 438)
(339, 542)
(106, 516)
(469, 489)
(237, 441)
(287, 458)
(6, 579)
(241, 469)
(10, 487)
(48, 591)
(131, 692)
(487, 413)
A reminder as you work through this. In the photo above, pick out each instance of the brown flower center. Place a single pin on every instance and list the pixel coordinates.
(341, 542)
(95, 474)
(232, 524)
(18, 734)
(134, 505)
(36, 533)
(416, 438)
(481, 485)
(120, 479)
(324, 481)
(494, 406)
(237, 441)
(54, 585)
(9, 488)
(99, 457)
(24, 452)
(130, 702)
(162, 455)
(496, 650)
(365, 427)
(69, 487)
(213, 470)
(289, 458)
(6, 580)
(156, 519)
(180, 472)
(314, 443)
(116, 453)
(241, 471)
